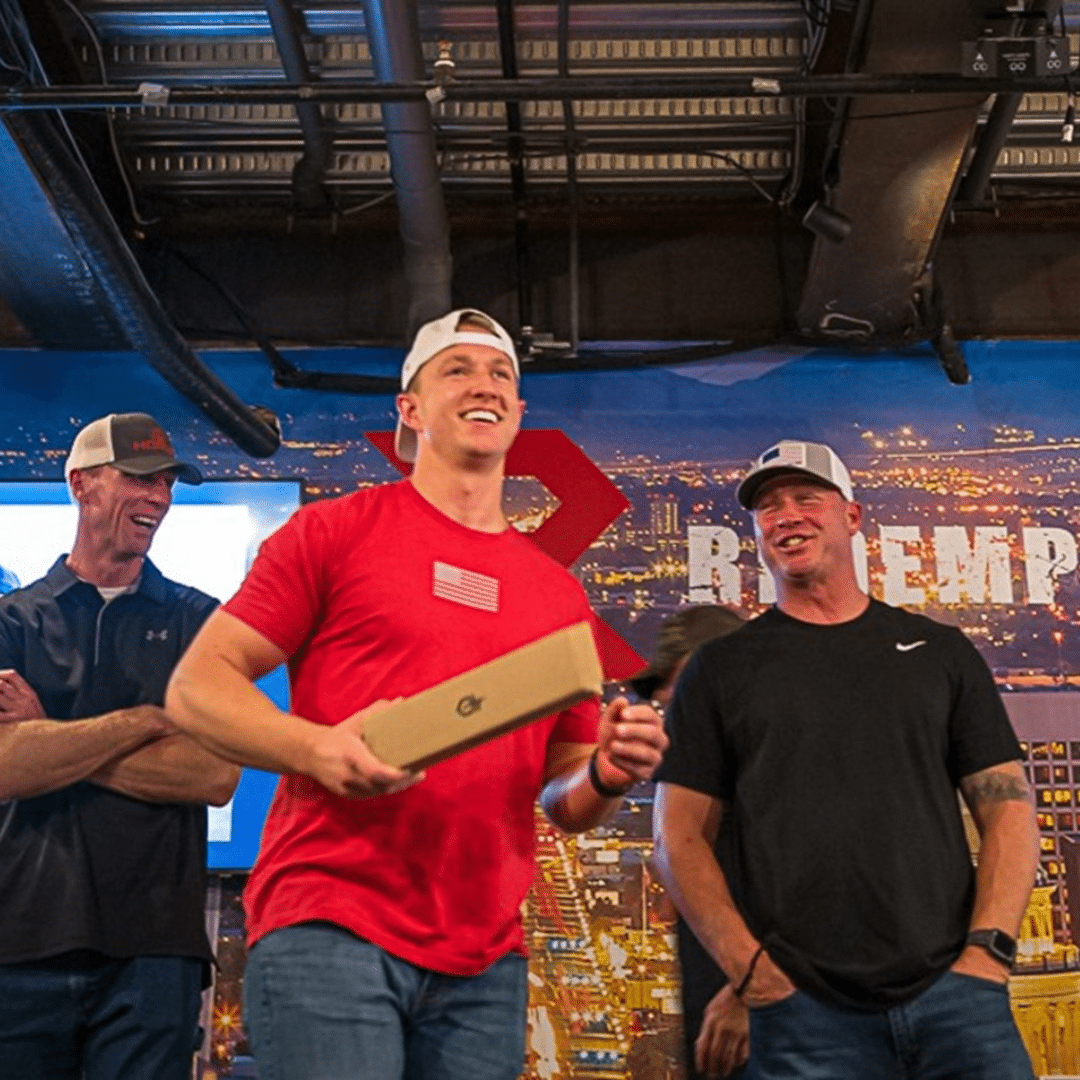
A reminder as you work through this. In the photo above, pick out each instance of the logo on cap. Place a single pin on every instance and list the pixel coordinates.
(158, 441)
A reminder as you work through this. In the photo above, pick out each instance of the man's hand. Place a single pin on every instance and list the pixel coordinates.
(630, 739)
(723, 1043)
(342, 763)
(17, 698)
(768, 984)
(976, 961)
(157, 722)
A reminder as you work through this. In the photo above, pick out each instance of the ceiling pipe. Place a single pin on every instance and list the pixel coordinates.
(574, 258)
(131, 301)
(394, 38)
(574, 88)
(310, 170)
(516, 157)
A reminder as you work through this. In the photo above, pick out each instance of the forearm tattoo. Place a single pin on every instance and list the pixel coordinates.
(995, 787)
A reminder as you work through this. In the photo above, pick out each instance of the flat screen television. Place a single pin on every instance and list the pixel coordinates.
(207, 540)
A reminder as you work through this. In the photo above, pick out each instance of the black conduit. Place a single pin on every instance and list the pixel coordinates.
(310, 170)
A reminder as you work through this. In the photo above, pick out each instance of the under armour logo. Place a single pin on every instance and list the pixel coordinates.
(469, 704)
(157, 635)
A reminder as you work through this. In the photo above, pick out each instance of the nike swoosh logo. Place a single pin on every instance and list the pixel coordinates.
(908, 646)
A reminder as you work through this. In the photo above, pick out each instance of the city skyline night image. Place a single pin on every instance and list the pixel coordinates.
(971, 516)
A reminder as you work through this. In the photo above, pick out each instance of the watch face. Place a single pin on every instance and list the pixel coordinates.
(1002, 945)
(997, 943)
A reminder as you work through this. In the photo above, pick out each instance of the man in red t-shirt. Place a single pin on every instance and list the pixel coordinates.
(384, 909)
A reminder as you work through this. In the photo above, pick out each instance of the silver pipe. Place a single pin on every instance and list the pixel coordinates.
(394, 39)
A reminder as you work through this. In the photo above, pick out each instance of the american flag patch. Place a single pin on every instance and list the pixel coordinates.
(790, 453)
(465, 587)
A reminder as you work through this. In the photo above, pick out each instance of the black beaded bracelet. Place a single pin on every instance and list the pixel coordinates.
(739, 990)
(599, 786)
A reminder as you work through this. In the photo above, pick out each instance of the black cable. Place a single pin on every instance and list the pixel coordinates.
(286, 374)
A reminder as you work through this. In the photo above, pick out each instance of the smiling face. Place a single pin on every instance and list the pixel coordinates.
(463, 404)
(804, 529)
(119, 513)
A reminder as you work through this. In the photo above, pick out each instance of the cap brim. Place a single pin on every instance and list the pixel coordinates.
(148, 464)
(644, 683)
(749, 487)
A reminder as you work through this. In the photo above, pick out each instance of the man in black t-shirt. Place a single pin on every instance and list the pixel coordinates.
(840, 729)
(103, 948)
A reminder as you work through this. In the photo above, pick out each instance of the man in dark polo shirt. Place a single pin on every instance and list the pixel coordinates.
(103, 951)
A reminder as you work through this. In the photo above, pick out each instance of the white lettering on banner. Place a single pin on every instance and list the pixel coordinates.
(712, 558)
(965, 570)
(972, 565)
(766, 587)
(1048, 555)
(862, 561)
(898, 564)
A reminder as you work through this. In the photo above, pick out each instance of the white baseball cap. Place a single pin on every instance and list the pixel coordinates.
(134, 443)
(793, 456)
(440, 334)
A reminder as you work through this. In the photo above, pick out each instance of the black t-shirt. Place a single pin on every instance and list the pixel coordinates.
(841, 748)
(84, 867)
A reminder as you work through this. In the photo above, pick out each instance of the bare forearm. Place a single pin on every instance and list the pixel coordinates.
(172, 769)
(1001, 803)
(40, 756)
(223, 710)
(573, 804)
(689, 871)
(1008, 858)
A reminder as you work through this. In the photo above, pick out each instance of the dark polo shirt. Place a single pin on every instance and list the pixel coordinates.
(84, 867)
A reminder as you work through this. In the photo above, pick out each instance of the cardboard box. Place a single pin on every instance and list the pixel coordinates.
(536, 680)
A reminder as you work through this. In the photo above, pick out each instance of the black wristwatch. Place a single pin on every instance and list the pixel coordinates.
(997, 943)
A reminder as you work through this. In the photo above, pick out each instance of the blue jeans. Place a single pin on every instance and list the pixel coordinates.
(83, 1016)
(323, 1004)
(961, 1028)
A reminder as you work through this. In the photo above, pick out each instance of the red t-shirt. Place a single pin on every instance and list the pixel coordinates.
(379, 595)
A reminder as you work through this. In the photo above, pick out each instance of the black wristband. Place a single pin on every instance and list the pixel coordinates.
(741, 988)
(599, 786)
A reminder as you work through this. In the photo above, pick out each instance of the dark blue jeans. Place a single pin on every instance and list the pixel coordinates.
(82, 1016)
(323, 1004)
(961, 1028)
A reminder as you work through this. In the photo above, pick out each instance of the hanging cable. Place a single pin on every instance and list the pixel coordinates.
(110, 115)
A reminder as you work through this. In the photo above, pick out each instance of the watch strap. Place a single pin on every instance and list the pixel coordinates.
(1001, 946)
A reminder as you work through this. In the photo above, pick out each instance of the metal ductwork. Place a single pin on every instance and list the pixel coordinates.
(393, 33)
(76, 265)
(895, 170)
(43, 277)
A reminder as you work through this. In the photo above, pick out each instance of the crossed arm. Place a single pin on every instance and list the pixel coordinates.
(137, 752)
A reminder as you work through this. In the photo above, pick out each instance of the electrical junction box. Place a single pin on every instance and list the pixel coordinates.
(1018, 58)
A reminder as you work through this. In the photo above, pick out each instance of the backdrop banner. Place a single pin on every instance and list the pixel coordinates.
(971, 517)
